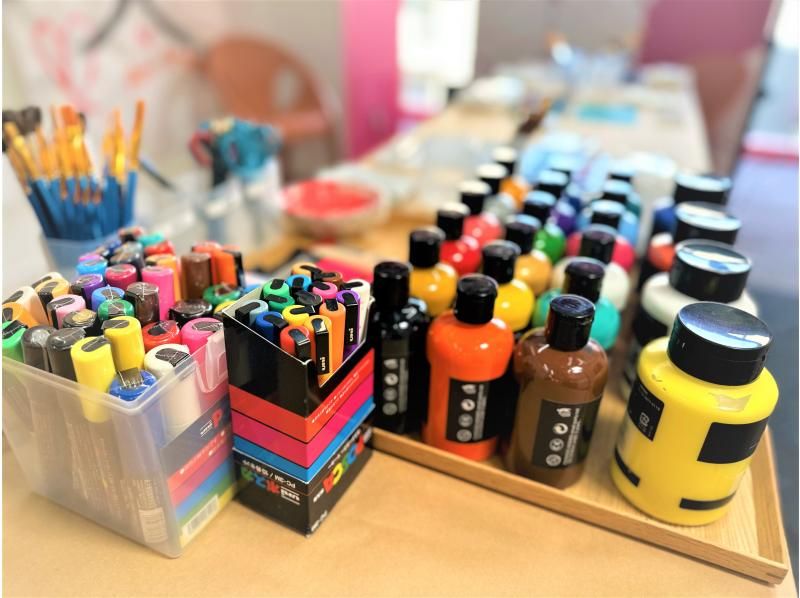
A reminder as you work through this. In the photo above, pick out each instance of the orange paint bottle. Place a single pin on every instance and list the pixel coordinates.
(468, 349)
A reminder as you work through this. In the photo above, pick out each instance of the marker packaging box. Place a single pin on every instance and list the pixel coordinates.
(126, 472)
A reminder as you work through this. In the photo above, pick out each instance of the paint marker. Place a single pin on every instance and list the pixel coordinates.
(326, 290)
(131, 384)
(95, 265)
(364, 290)
(162, 360)
(228, 265)
(195, 334)
(319, 332)
(296, 315)
(15, 311)
(58, 308)
(305, 268)
(196, 272)
(150, 239)
(249, 311)
(127, 254)
(125, 335)
(34, 343)
(222, 307)
(270, 325)
(161, 247)
(334, 278)
(58, 347)
(295, 341)
(307, 299)
(85, 319)
(180, 405)
(12, 339)
(144, 298)
(94, 368)
(172, 262)
(209, 248)
(29, 300)
(130, 233)
(278, 303)
(277, 287)
(219, 293)
(121, 275)
(163, 279)
(46, 277)
(298, 282)
(335, 312)
(160, 333)
(89, 256)
(86, 285)
(105, 294)
(349, 300)
(50, 289)
(189, 309)
(114, 308)
(106, 250)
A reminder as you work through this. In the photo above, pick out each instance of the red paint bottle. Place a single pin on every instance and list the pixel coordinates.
(459, 250)
(469, 350)
(480, 225)
(610, 213)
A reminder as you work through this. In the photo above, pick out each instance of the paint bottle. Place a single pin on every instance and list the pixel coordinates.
(688, 187)
(693, 220)
(552, 182)
(514, 302)
(583, 277)
(514, 186)
(431, 280)
(562, 374)
(604, 211)
(598, 242)
(397, 331)
(459, 250)
(468, 349)
(695, 416)
(498, 203)
(533, 266)
(622, 193)
(480, 225)
(550, 239)
(702, 271)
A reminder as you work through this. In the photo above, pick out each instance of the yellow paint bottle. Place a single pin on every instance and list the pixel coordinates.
(533, 266)
(431, 280)
(515, 300)
(695, 415)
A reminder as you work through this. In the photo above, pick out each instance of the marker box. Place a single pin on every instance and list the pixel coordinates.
(302, 505)
(126, 472)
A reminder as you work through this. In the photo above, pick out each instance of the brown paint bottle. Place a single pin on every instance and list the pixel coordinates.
(562, 374)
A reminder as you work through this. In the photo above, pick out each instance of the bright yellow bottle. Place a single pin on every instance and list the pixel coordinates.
(515, 300)
(533, 266)
(695, 415)
(431, 280)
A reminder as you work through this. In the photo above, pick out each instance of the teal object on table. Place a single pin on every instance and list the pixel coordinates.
(618, 114)
(605, 328)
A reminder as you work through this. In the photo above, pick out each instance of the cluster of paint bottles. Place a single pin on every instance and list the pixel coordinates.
(517, 311)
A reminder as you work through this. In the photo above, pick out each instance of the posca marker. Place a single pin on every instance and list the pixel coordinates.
(305, 268)
(334, 278)
(196, 272)
(278, 303)
(50, 289)
(180, 406)
(319, 333)
(151, 239)
(270, 325)
(218, 309)
(189, 309)
(219, 293)
(89, 256)
(34, 342)
(105, 294)
(326, 290)
(229, 267)
(47, 277)
(334, 311)
(161, 247)
(296, 315)
(363, 289)
(295, 341)
(209, 248)
(276, 287)
(160, 333)
(15, 311)
(163, 279)
(125, 335)
(95, 265)
(298, 282)
(349, 300)
(307, 299)
(128, 255)
(29, 300)
(59, 344)
(58, 308)
(131, 384)
(164, 359)
(94, 367)
(144, 298)
(114, 308)
(195, 334)
(247, 313)
(86, 285)
(85, 319)
(171, 262)
(121, 275)
(12, 339)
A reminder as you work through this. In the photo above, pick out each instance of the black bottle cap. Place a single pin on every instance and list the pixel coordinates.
(475, 297)
(598, 242)
(450, 219)
(719, 343)
(59, 345)
(709, 271)
(583, 276)
(499, 259)
(474, 194)
(539, 204)
(616, 190)
(186, 310)
(569, 322)
(521, 230)
(695, 187)
(605, 211)
(621, 171)
(551, 181)
(703, 220)
(423, 247)
(390, 285)
(564, 163)
(505, 156)
(34, 342)
(493, 175)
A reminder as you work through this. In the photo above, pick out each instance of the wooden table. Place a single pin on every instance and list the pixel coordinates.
(401, 529)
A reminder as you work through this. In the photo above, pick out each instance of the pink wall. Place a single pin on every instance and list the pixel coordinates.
(369, 32)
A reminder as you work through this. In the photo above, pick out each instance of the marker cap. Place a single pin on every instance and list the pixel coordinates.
(144, 298)
(12, 339)
(294, 340)
(326, 290)
(34, 343)
(297, 315)
(85, 319)
(125, 335)
(160, 248)
(250, 310)
(28, 299)
(160, 333)
(320, 331)
(131, 384)
(59, 344)
(163, 359)
(50, 289)
(298, 282)
(94, 367)
(350, 301)
(229, 266)
(86, 285)
(15, 311)
(114, 308)
(104, 294)
(59, 307)
(189, 309)
(128, 254)
(196, 272)
(162, 278)
(220, 293)
(195, 334)
(270, 325)
(95, 265)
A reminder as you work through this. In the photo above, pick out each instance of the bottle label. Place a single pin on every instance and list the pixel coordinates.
(645, 329)
(470, 415)
(644, 409)
(393, 399)
(564, 433)
(731, 443)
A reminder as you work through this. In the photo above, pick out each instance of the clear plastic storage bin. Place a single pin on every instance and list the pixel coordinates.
(122, 468)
